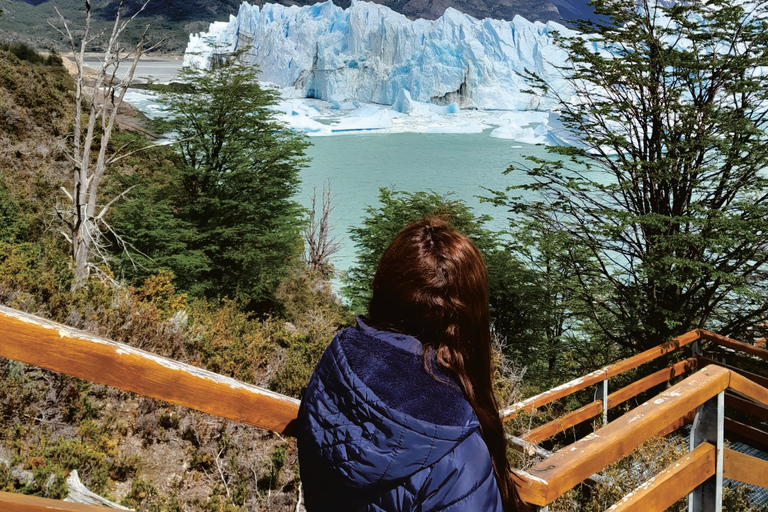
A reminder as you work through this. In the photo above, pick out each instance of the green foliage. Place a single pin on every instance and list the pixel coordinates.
(664, 200)
(13, 224)
(271, 479)
(35, 92)
(156, 237)
(310, 304)
(29, 54)
(301, 355)
(144, 496)
(35, 276)
(238, 173)
(230, 342)
(737, 498)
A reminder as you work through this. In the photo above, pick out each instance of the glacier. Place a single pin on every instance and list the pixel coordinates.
(368, 53)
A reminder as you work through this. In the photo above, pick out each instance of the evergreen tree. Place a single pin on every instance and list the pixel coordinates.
(238, 170)
(664, 197)
(149, 218)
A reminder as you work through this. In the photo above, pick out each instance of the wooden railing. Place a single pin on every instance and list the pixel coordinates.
(600, 379)
(62, 349)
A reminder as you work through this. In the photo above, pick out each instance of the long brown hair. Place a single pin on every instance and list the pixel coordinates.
(431, 283)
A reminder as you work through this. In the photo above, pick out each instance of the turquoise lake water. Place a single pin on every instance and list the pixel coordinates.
(457, 164)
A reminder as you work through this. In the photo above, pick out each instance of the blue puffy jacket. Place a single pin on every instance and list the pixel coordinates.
(376, 432)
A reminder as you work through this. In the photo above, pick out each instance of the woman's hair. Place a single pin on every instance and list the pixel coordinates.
(432, 284)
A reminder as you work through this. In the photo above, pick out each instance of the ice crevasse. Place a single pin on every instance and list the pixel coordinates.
(371, 54)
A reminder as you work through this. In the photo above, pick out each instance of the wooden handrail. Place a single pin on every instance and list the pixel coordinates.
(704, 361)
(59, 348)
(734, 344)
(664, 489)
(748, 406)
(62, 349)
(546, 481)
(12, 502)
(751, 435)
(617, 398)
(598, 376)
(552, 477)
(745, 468)
(749, 388)
(563, 423)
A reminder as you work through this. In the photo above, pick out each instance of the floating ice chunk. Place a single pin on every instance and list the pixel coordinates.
(452, 108)
(513, 132)
(403, 103)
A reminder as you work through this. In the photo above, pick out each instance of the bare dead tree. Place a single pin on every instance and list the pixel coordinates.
(318, 242)
(82, 214)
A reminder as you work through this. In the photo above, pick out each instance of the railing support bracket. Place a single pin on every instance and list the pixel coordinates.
(709, 427)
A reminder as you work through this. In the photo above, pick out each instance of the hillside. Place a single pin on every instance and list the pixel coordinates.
(29, 21)
(144, 454)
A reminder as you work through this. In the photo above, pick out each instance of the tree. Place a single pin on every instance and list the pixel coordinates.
(150, 223)
(319, 244)
(84, 214)
(238, 173)
(663, 198)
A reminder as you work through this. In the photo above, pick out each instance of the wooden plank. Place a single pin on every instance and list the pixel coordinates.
(653, 353)
(674, 482)
(646, 383)
(703, 361)
(678, 423)
(745, 468)
(751, 435)
(735, 345)
(740, 404)
(591, 410)
(62, 349)
(589, 455)
(564, 422)
(553, 394)
(597, 376)
(749, 388)
(530, 488)
(10, 502)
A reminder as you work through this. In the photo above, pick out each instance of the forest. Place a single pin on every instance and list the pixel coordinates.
(199, 251)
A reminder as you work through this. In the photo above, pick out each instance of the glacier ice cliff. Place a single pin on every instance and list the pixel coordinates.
(371, 54)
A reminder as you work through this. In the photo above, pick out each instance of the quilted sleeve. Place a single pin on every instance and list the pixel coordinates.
(462, 481)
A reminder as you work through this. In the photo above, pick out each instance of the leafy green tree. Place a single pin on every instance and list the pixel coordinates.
(238, 171)
(663, 199)
(517, 308)
(155, 237)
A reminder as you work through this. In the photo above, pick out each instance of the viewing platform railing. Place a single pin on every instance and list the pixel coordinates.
(701, 398)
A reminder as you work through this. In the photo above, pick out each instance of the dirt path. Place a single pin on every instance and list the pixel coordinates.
(129, 118)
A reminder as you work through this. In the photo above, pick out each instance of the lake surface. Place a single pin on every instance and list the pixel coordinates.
(359, 165)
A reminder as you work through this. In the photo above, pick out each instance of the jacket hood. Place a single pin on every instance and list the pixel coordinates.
(373, 415)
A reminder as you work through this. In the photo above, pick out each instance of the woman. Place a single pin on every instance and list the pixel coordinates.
(400, 413)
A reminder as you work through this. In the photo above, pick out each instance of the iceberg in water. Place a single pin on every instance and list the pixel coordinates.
(369, 53)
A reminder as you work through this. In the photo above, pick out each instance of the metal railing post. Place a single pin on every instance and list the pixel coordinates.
(708, 426)
(696, 349)
(601, 393)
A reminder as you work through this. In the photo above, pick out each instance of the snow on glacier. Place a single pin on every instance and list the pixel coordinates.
(432, 74)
